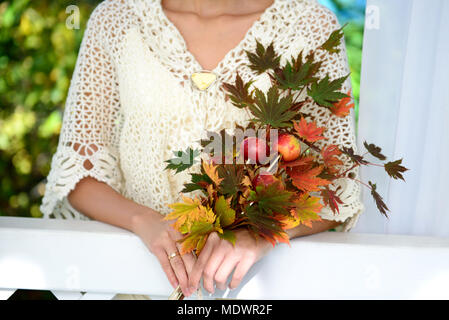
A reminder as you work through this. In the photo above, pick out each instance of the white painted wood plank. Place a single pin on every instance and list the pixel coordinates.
(93, 257)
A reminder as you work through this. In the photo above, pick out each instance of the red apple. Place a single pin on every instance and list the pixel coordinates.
(264, 179)
(254, 149)
(288, 146)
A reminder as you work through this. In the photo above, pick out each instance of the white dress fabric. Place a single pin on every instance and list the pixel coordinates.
(131, 103)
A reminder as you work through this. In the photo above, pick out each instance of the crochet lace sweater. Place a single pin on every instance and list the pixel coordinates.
(131, 103)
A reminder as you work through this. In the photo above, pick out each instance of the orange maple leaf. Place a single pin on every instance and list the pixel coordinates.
(300, 162)
(309, 131)
(329, 154)
(211, 170)
(343, 107)
(274, 238)
(306, 209)
(306, 179)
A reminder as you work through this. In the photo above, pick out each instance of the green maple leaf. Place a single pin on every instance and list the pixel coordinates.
(271, 109)
(196, 239)
(264, 59)
(263, 224)
(272, 199)
(199, 182)
(183, 160)
(228, 235)
(296, 74)
(224, 212)
(239, 92)
(325, 92)
(332, 44)
(232, 177)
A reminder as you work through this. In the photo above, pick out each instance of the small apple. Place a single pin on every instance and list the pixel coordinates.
(254, 149)
(265, 179)
(288, 146)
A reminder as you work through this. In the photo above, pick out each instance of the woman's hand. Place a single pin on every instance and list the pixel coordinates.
(219, 257)
(160, 238)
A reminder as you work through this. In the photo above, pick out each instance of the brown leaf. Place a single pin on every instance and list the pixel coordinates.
(395, 169)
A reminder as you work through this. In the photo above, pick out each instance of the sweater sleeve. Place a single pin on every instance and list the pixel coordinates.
(318, 24)
(88, 143)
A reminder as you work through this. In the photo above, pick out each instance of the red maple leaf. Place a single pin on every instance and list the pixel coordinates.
(306, 179)
(343, 107)
(331, 199)
(329, 154)
(300, 162)
(309, 131)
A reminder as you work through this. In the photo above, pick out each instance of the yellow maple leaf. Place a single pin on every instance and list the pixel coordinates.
(188, 212)
(306, 210)
(211, 171)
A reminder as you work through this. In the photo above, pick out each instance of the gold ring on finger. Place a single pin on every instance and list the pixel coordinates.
(172, 255)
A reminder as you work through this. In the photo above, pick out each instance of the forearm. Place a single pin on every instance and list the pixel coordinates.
(100, 202)
(317, 227)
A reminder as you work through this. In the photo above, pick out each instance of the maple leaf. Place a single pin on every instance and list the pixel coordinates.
(395, 169)
(357, 159)
(266, 225)
(228, 235)
(199, 182)
(272, 198)
(308, 131)
(378, 199)
(306, 209)
(374, 151)
(232, 178)
(271, 109)
(300, 162)
(224, 212)
(183, 160)
(306, 179)
(330, 154)
(196, 239)
(263, 59)
(296, 73)
(332, 44)
(331, 199)
(239, 93)
(211, 170)
(343, 107)
(188, 212)
(325, 93)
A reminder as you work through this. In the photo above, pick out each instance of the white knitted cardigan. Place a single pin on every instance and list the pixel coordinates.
(131, 103)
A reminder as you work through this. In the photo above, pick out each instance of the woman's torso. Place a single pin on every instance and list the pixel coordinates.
(161, 111)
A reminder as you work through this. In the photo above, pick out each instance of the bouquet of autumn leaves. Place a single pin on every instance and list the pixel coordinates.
(281, 178)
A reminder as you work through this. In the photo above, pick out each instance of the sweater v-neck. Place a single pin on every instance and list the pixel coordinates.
(177, 53)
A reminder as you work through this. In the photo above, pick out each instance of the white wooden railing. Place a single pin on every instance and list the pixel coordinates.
(91, 260)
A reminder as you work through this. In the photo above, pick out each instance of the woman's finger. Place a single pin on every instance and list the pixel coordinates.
(189, 261)
(178, 267)
(201, 261)
(225, 269)
(211, 268)
(166, 266)
(240, 271)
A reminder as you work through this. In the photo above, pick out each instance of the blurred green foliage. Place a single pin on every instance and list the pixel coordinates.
(37, 57)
